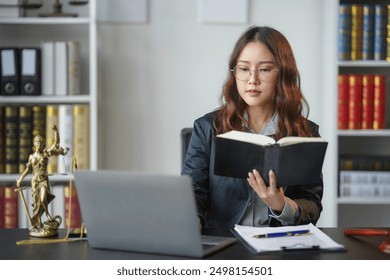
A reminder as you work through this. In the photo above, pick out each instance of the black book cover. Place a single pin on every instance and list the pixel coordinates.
(11, 137)
(295, 164)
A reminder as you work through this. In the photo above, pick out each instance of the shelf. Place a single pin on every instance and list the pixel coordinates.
(364, 132)
(364, 210)
(56, 179)
(41, 99)
(364, 63)
(31, 31)
(25, 30)
(363, 200)
(45, 21)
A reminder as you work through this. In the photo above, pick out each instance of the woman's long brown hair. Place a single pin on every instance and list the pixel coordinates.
(289, 100)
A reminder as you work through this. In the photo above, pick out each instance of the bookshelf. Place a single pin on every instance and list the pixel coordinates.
(30, 31)
(362, 210)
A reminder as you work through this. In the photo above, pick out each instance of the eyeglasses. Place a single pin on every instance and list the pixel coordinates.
(243, 73)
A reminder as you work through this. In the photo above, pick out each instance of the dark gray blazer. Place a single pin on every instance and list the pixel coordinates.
(221, 201)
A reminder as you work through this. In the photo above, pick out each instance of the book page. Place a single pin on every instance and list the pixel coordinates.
(248, 137)
(315, 238)
(290, 140)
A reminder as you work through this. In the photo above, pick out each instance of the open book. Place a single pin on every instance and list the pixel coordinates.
(295, 160)
(312, 239)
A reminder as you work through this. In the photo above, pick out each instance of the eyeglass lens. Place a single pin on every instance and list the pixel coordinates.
(243, 73)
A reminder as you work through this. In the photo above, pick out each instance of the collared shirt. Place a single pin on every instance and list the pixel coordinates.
(269, 129)
(256, 213)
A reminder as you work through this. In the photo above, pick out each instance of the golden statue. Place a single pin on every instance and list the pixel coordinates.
(41, 193)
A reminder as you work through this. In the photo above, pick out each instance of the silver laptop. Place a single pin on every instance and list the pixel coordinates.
(143, 213)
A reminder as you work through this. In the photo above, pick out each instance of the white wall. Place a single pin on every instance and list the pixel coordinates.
(157, 77)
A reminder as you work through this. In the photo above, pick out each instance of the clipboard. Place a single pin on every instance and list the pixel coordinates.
(282, 249)
(317, 241)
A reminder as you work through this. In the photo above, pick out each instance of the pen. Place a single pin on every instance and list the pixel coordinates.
(284, 233)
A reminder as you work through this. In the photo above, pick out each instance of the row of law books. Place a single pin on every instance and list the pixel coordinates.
(361, 101)
(365, 184)
(53, 68)
(13, 210)
(363, 32)
(20, 124)
(364, 176)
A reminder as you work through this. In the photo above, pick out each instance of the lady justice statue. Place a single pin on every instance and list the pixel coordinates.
(41, 194)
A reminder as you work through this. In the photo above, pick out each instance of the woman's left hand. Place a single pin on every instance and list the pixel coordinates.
(271, 195)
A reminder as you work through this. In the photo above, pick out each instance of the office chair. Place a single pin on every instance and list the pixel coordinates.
(185, 136)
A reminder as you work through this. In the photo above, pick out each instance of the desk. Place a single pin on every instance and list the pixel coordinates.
(358, 248)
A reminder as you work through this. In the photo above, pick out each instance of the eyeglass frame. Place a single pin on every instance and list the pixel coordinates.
(250, 72)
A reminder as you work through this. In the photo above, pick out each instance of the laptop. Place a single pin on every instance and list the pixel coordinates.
(141, 212)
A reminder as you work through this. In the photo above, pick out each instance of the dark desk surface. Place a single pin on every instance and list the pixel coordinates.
(358, 248)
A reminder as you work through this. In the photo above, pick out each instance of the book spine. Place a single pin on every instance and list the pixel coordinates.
(60, 68)
(379, 102)
(25, 136)
(343, 102)
(367, 101)
(344, 32)
(11, 207)
(11, 139)
(380, 28)
(39, 121)
(356, 31)
(47, 68)
(364, 163)
(388, 34)
(51, 119)
(368, 32)
(72, 208)
(81, 135)
(65, 129)
(74, 68)
(364, 184)
(2, 141)
(355, 102)
(2, 202)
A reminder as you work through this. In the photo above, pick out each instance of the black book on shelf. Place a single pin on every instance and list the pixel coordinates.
(11, 137)
(295, 160)
(364, 162)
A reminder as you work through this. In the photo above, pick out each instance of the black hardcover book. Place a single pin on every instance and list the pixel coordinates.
(365, 162)
(2, 148)
(25, 136)
(295, 160)
(11, 137)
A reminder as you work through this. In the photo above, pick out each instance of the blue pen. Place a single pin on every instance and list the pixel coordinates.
(283, 234)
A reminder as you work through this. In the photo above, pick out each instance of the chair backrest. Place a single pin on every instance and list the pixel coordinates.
(185, 136)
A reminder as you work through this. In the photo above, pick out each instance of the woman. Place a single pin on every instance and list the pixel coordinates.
(261, 95)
